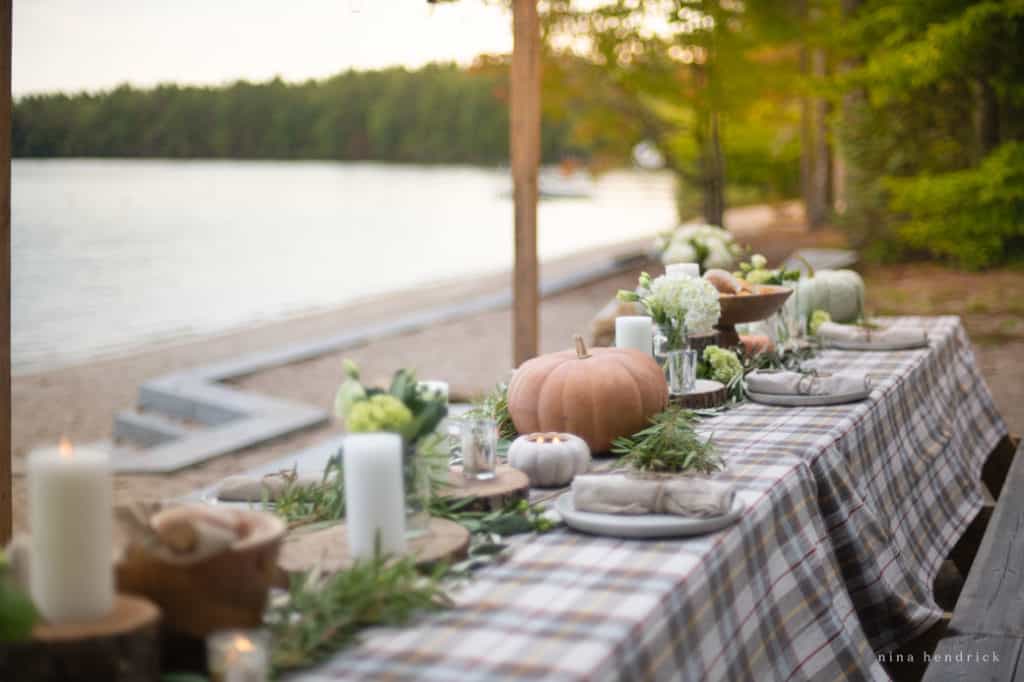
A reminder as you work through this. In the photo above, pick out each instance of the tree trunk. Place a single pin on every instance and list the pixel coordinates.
(821, 176)
(847, 174)
(806, 139)
(713, 174)
(987, 118)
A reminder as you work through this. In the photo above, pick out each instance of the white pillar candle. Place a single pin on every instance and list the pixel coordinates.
(634, 331)
(374, 493)
(439, 388)
(682, 270)
(71, 514)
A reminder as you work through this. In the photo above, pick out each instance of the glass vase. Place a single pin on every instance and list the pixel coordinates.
(682, 371)
(416, 478)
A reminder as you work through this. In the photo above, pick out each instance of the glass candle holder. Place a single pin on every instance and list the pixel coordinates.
(238, 656)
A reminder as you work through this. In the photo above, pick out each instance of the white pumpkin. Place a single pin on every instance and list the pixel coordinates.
(550, 460)
(840, 293)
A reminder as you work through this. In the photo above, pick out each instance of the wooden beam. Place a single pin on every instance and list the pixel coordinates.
(524, 147)
(6, 492)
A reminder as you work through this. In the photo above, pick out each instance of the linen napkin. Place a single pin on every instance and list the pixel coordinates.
(794, 383)
(682, 496)
(243, 488)
(830, 331)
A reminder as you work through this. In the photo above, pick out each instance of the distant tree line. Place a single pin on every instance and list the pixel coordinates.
(437, 114)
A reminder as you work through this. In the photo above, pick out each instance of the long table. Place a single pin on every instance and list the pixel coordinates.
(850, 511)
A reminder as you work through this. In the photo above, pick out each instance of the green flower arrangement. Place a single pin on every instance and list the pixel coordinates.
(379, 413)
(404, 408)
(722, 365)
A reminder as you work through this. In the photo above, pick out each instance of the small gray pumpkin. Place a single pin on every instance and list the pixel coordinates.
(550, 460)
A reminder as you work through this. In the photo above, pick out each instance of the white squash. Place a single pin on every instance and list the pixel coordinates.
(840, 293)
(550, 460)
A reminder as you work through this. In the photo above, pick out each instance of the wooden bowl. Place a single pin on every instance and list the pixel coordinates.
(226, 590)
(750, 308)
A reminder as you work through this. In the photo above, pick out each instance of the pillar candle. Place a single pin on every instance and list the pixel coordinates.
(439, 388)
(71, 514)
(634, 331)
(682, 270)
(374, 493)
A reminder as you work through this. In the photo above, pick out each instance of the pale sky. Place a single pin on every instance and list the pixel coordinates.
(74, 45)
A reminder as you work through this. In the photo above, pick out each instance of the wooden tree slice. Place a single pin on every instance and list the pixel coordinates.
(508, 485)
(123, 646)
(327, 548)
(706, 394)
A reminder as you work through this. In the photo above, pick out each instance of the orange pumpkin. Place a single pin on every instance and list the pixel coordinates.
(598, 395)
(754, 344)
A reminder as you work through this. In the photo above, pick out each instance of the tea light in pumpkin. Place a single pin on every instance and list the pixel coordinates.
(71, 514)
(435, 388)
(550, 460)
(374, 493)
(634, 331)
(237, 656)
(683, 270)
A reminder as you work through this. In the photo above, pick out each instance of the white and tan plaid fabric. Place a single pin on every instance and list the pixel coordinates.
(850, 511)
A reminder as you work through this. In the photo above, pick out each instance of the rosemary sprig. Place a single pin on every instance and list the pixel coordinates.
(323, 614)
(512, 519)
(668, 445)
(299, 505)
(494, 405)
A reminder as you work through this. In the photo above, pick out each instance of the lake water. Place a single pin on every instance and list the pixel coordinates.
(109, 256)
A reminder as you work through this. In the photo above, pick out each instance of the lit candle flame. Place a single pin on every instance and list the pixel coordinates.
(65, 448)
(243, 644)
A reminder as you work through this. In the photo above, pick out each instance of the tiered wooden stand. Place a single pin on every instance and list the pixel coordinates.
(124, 646)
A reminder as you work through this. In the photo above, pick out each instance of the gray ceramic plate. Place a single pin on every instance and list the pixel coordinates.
(786, 400)
(875, 345)
(646, 525)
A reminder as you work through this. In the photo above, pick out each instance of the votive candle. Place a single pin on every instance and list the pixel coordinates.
(238, 656)
(71, 514)
(374, 493)
(634, 331)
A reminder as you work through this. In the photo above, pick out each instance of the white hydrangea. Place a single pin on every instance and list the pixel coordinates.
(679, 252)
(688, 242)
(692, 301)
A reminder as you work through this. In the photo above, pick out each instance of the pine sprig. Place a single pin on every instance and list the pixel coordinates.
(324, 614)
(669, 445)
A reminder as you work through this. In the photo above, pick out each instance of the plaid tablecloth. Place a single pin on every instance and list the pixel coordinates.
(850, 511)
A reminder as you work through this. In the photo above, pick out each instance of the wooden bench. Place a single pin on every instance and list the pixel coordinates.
(985, 637)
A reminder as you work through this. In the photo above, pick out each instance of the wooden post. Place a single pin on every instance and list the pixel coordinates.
(524, 147)
(6, 493)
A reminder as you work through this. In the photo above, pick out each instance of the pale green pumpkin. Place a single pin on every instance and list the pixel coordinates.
(840, 293)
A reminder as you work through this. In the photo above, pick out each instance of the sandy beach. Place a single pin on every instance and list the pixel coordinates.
(471, 354)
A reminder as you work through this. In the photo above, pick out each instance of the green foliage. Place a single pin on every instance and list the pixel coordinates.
(299, 505)
(494, 406)
(668, 445)
(974, 217)
(322, 615)
(512, 519)
(933, 114)
(17, 613)
(437, 114)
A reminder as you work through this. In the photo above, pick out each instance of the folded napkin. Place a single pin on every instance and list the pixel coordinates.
(830, 331)
(245, 488)
(683, 496)
(794, 383)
